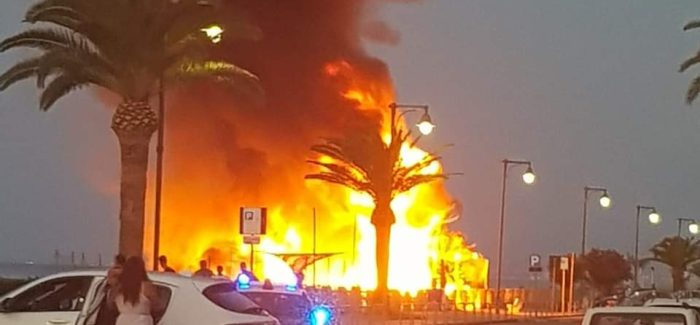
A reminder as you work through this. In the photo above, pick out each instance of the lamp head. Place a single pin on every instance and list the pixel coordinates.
(529, 176)
(654, 218)
(425, 125)
(605, 200)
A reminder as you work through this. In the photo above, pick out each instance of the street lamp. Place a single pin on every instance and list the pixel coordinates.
(693, 227)
(604, 201)
(214, 32)
(654, 218)
(529, 178)
(425, 124)
(161, 143)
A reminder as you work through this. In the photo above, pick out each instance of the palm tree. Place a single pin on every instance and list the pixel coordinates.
(126, 47)
(694, 87)
(679, 254)
(364, 163)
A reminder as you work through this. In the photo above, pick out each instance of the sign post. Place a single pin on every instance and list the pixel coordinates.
(564, 267)
(253, 223)
(535, 269)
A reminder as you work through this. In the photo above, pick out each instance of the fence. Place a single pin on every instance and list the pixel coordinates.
(80, 259)
(434, 307)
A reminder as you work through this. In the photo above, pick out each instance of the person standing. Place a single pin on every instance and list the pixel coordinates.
(163, 261)
(248, 273)
(204, 270)
(135, 296)
(115, 270)
(107, 315)
(220, 271)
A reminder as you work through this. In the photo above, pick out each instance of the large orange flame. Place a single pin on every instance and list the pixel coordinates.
(421, 241)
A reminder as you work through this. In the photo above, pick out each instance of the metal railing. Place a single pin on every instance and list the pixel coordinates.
(357, 308)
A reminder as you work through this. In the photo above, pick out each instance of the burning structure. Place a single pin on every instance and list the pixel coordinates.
(224, 152)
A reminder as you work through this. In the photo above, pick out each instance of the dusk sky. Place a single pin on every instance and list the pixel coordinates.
(587, 90)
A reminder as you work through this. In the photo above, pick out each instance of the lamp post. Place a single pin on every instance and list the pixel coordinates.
(528, 178)
(425, 124)
(214, 33)
(693, 227)
(604, 201)
(654, 218)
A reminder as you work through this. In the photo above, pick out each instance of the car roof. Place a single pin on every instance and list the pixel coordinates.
(639, 310)
(173, 279)
(694, 302)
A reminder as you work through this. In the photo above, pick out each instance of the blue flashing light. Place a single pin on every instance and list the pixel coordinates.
(292, 287)
(243, 281)
(321, 315)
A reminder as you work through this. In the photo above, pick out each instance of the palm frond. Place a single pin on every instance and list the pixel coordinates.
(410, 182)
(339, 180)
(60, 15)
(340, 170)
(59, 87)
(20, 71)
(241, 81)
(417, 167)
(43, 38)
(49, 5)
(76, 59)
(334, 152)
(690, 62)
(693, 91)
(692, 25)
(220, 69)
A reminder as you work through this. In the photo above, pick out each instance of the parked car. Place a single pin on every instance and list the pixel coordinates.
(641, 316)
(76, 298)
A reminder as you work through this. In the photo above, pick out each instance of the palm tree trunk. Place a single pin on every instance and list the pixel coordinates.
(382, 219)
(134, 124)
(383, 234)
(678, 279)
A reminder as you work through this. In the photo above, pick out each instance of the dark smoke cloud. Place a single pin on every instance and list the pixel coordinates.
(223, 152)
(379, 31)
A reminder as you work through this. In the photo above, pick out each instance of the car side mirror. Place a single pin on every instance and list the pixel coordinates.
(6, 305)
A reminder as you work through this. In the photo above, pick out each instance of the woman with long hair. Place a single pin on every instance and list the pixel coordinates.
(135, 296)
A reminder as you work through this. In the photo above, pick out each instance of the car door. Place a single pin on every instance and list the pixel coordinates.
(56, 301)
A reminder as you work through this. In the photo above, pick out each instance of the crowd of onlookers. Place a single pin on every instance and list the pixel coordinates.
(130, 298)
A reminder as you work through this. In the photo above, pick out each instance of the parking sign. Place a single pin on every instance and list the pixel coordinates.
(535, 263)
(253, 221)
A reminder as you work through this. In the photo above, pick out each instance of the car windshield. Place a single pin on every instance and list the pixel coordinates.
(280, 304)
(637, 319)
(225, 296)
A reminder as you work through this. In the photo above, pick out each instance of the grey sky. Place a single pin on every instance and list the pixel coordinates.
(588, 90)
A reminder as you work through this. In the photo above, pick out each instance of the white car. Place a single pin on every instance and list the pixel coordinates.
(76, 298)
(641, 316)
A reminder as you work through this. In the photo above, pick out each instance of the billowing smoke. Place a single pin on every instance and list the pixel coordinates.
(224, 151)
